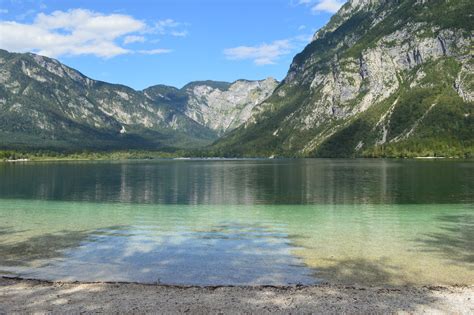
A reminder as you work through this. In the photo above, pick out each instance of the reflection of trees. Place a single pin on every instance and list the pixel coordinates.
(242, 182)
(455, 241)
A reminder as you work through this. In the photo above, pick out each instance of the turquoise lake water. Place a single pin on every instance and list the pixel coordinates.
(237, 222)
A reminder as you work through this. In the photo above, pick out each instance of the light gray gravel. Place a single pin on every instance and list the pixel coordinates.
(40, 297)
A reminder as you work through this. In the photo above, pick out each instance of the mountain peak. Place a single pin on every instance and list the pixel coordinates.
(382, 77)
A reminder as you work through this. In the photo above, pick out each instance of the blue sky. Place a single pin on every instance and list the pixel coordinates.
(141, 43)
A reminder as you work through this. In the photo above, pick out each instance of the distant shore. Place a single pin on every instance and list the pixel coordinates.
(34, 296)
(181, 158)
(15, 156)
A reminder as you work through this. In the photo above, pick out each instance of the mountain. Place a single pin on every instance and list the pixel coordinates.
(382, 78)
(45, 104)
(220, 106)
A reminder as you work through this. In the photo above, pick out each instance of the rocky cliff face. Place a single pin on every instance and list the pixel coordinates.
(44, 103)
(220, 106)
(373, 81)
(225, 109)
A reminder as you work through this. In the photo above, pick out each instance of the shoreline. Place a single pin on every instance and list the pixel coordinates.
(13, 277)
(20, 295)
(34, 160)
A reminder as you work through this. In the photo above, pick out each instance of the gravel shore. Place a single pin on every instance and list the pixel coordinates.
(33, 296)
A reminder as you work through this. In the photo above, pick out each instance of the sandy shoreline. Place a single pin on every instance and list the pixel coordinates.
(34, 296)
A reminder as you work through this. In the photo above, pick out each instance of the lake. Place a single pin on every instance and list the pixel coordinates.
(239, 222)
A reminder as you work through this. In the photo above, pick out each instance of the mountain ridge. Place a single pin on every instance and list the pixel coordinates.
(46, 104)
(218, 105)
(366, 85)
(381, 79)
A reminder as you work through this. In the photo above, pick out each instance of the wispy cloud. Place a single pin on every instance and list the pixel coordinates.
(329, 6)
(162, 26)
(263, 54)
(179, 33)
(266, 53)
(169, 27)
(157, 51)
(75, 32)
(130, 39)
(3, 11)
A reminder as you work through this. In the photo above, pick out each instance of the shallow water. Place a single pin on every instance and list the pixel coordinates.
(240, 222)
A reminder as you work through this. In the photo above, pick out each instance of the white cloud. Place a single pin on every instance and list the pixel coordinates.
(168, 27)
(264, 54)
(179, 33)
(157, 51)
(73, 32)
(268, 54)
(84, 23)
(163, 25)
(133, 39)
(330, 6)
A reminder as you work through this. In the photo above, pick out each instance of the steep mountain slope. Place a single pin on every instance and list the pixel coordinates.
(383, 78)
(45, 104)
(220, 106)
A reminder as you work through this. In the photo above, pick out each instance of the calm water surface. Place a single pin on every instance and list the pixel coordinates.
(240, 221)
